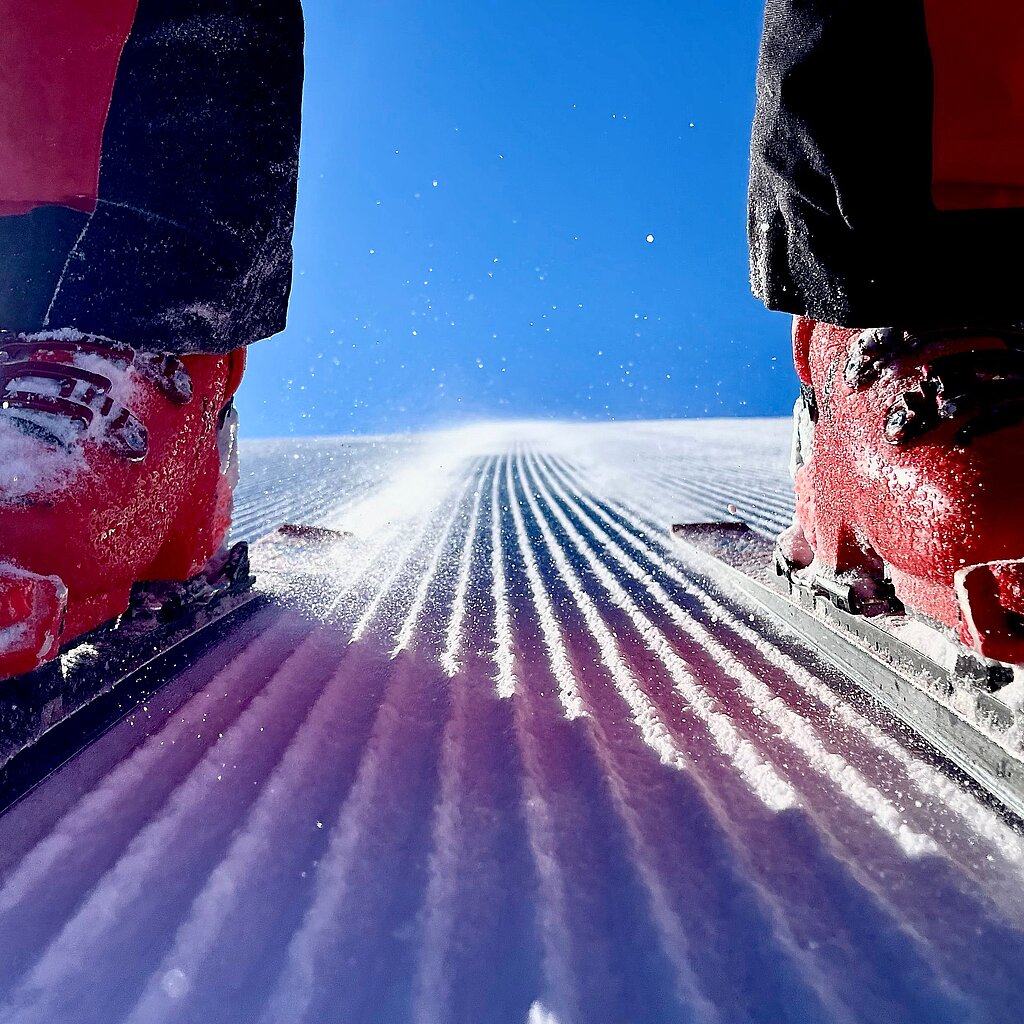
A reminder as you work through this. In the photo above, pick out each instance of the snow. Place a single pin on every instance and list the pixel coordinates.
(12, 637)
(29, 465)
(378, 803)
(52, 459)
(67, 334)
(124, 382)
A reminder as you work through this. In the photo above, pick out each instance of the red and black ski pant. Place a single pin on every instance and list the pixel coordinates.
(887, 164)
(150, 153)
(148, 169)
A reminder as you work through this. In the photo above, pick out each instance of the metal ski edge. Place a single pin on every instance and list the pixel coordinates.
(49, 715)
(982, 759)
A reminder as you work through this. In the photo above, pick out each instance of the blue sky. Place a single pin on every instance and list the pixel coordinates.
(477, 188)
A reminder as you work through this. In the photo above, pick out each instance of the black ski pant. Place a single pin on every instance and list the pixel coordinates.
(887, 163)
(150, 156)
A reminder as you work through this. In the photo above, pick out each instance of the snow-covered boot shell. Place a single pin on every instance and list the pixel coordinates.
(116, 466)
(909, 487)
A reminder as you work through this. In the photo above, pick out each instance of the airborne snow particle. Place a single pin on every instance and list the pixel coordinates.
(175, 983)
(650, 238)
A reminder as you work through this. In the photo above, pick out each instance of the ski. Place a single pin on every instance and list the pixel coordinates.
(966, 708)
(48, 715)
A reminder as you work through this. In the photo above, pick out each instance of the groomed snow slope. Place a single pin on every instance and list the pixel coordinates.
(509, 759)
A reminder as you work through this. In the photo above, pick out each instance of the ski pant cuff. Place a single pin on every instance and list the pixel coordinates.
(954, 268)
(136, 278)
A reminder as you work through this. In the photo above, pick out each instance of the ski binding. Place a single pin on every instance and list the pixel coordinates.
(966, 707)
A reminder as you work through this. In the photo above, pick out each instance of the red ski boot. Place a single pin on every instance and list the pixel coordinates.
(908, 474)
(116, 466)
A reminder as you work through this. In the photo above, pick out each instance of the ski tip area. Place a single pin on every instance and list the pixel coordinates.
(485, 740)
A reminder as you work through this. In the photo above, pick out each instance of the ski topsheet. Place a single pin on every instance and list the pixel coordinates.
(968, 711)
